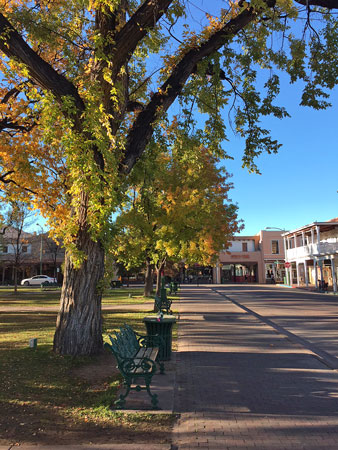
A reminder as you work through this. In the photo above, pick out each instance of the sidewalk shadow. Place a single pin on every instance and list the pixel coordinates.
(261, 383)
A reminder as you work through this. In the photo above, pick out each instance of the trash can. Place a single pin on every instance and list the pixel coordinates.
(162, 327)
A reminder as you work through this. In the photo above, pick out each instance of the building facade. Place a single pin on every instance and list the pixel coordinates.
(312, 255)
(258, 258)
(24, 255)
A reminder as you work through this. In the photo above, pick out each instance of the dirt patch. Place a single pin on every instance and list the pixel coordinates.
(20, 429)
(32, 424)
(98, 372)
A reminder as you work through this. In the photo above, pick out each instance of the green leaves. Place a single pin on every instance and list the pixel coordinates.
(178, 208)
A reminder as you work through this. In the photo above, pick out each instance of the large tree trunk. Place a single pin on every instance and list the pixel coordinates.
(79, 322)
(148, 286)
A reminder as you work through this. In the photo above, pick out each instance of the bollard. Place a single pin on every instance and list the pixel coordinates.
(33, 343)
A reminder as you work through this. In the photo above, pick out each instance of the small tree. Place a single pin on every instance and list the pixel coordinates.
(18, 217)
(54, 250)
(179, 210)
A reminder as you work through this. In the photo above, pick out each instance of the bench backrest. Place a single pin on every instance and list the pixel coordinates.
(124, 344)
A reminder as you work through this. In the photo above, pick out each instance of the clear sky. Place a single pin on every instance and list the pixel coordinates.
(298, 185)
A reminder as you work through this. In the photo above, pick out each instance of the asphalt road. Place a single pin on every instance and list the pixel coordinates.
(308, 318)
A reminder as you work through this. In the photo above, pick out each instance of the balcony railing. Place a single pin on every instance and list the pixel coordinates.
(321, 249)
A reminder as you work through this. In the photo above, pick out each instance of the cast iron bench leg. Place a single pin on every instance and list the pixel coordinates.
(121, 402)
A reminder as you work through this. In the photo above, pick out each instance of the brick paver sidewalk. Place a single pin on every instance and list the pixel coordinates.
(240, 385)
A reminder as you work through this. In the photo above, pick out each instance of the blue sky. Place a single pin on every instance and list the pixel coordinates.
(298, 185)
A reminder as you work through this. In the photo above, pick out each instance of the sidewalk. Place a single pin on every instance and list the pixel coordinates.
(241, 385)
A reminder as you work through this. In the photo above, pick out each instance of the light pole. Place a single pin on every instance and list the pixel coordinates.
(275, 228)
(40, 248)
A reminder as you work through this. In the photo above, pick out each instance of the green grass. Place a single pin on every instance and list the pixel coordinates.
(34, 296)
(38, 388)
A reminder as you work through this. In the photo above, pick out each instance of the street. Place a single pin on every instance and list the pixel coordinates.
(309, 318)
(254, 369)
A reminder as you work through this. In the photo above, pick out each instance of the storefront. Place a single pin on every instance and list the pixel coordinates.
(274, 272)
(238, 273)
(197, 274)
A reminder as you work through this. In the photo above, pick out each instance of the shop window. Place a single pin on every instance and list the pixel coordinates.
(275, 247)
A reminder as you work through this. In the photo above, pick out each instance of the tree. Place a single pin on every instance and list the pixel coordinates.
(18, 217)
(53, 250)
(80, 104)
(178, 209)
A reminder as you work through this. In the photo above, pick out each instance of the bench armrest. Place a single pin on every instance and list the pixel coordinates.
(135, 366)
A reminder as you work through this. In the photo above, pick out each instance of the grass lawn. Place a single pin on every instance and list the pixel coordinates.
(35, 296)
(45, 398)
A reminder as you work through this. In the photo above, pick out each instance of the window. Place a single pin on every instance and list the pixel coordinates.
(5, 249)
(244, 247)
(275, 247)
(24, 249)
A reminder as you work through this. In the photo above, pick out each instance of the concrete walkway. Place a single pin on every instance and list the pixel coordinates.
(241, 385)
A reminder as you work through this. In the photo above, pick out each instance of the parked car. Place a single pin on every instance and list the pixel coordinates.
(38, 280)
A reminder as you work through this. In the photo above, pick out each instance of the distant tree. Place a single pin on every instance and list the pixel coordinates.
(18, 217)
(54, 249)
(179, 209)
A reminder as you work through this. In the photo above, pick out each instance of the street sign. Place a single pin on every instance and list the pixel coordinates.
(287, 265)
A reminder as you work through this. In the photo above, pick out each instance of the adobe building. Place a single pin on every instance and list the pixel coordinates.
(252, 259)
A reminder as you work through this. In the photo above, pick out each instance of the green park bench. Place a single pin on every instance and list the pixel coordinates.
(162, 302)
(173, 287)
(136, 360)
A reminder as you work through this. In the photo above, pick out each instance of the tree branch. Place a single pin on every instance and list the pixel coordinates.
(5, 180)
(137, 27)
(14, 92)
(142, 129)
(330, 4)
(13, 46)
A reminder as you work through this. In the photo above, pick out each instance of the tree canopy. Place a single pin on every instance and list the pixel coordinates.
(87, 86)
(178, 207)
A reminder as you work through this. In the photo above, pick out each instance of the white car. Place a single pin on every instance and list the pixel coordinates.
(38, 280)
